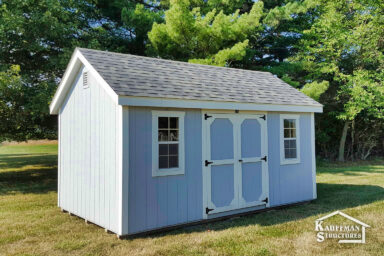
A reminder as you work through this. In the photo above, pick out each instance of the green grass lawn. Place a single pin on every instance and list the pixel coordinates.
(32, 224)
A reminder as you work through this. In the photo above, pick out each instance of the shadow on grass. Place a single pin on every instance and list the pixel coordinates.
(32, 173)
(16, 161)
(351, 170)
(331, 197)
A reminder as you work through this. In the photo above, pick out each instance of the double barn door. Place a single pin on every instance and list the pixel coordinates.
(235, 161)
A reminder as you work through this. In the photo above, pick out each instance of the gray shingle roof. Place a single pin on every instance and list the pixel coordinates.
(131, 75)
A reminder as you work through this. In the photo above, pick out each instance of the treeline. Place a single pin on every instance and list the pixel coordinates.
(332, 50)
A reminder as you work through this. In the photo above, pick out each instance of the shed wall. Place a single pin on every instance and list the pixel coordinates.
(162, 201)
(156, 202)
(88, 176)
(289, 183)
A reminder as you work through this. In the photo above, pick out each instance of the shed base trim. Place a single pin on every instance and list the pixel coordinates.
(215, 219)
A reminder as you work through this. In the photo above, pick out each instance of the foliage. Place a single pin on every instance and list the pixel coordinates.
(209, 38)
(39, 37)
(340, 47)
(315, 89)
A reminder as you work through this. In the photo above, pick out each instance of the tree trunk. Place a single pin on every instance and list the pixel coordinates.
(342, 141)
(353, 140)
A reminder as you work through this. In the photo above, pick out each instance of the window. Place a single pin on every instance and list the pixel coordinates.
(289, 139)
(168, 143)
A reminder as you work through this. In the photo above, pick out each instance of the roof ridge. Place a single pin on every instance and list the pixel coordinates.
(175, 61)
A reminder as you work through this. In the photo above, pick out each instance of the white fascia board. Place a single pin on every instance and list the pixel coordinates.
(203, 104)
(76, 62)
(69, 75)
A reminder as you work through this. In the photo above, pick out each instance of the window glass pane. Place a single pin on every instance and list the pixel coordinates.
(289, 123)
(163, 122)
(292, 144)
(173, 149)
(173, 135)
(287, 133)
(286, 144)
(163, 149)
(173, 161)
(174, 122)
(287, 153)
(163, 162)
(290, 153)
(163, 135)
(286, 123)
(293, 133)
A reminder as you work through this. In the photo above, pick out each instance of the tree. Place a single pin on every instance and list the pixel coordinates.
(134, 19)
(209, 37)
(344, 46)
(39, 37)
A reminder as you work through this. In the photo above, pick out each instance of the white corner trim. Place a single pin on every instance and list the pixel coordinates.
(156, 172)
(296, 160)
(77, 60)
(212, 105)
(59, 162)
(122, 157)
(204, 168)
(313, 155)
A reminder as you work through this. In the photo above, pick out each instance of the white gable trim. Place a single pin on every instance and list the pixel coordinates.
(76, 62)
(205, 104)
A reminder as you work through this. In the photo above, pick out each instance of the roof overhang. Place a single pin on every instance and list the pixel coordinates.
(204, 104)
(76, 62)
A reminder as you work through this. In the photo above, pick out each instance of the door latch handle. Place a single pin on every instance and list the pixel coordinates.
(207, 163)
(207, 210)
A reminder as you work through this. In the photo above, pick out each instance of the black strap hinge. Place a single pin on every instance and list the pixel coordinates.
(264, 158)
(207, 163)
(263, 117)
(207, 210)
(206, 116)
(265, 200)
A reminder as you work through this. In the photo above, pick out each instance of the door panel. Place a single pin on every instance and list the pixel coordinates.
(250, 138)
(252, 182)
(252, 166)
(221, 131)
(223, 192)
(222, 185)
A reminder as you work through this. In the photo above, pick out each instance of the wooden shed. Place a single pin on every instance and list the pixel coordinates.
(146, 143)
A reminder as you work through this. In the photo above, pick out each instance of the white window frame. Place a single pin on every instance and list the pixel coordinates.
(296, 160)
(156, 172)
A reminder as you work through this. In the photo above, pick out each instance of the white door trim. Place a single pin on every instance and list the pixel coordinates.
(236, 119)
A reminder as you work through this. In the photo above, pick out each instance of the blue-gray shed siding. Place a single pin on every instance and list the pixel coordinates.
(162, 201)
(289, 183)
(156, 202)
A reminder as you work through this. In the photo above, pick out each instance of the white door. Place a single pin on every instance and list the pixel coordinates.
(235, 156)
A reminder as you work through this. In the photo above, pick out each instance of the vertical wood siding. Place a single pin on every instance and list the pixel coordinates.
(156, 202)
(162, 201)
(292, 182)
(88, 163)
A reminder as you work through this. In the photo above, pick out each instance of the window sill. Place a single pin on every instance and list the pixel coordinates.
(294, 161)
(169, 172)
